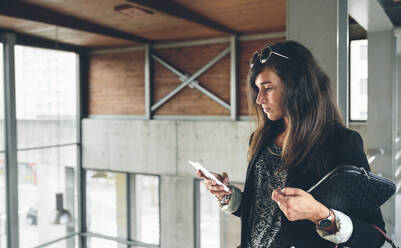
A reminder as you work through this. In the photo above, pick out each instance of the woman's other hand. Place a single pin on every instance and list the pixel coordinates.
(297, 204)
(212, 186)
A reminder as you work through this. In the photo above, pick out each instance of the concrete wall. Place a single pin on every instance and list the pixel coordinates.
(164, 147)
(42, 132)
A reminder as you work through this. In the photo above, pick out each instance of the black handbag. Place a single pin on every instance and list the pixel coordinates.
(349, 189)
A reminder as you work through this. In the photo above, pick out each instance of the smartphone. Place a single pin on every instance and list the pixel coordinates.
(209, 175)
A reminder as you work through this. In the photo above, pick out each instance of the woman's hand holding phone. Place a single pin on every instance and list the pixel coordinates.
(212, 186)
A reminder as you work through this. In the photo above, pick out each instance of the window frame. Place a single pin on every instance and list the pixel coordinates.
(349, 87)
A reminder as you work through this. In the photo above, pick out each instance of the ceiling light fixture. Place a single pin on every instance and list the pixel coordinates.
(132, 11)
(60, 216)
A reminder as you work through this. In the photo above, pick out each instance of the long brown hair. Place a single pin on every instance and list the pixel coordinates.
(308, 102)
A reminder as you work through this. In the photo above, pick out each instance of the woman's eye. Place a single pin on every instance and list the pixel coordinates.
(268, 89)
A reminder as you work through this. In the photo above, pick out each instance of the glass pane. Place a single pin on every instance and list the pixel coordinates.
(209, 219)
(64, 243)
(106, 203)
(217, 229)
(3, 236)
(41, 175)
(145, 217)
(45, 96)
(359, 80)
(102, 243)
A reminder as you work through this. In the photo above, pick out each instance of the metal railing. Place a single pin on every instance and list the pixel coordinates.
(375, 154)
(120, 240)
(96, 235)
(397, 173)
(57, 240)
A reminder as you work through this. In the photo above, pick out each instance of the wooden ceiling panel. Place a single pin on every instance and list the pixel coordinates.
(65, 35)
(21, 25)
(251, 16)
(91, 40)
(246, 17)
(156, 27)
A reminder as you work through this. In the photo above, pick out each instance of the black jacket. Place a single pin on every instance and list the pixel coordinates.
(342, 147)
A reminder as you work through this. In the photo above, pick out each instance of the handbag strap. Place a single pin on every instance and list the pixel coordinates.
(384, 235)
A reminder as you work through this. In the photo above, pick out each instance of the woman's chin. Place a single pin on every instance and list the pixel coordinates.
(273, 117)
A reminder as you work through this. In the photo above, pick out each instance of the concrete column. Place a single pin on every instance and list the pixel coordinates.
(398, 144)
(398, 83)
(322, 26)
(121, 210)
(177, 212)
(135, 209)
(399, 87)
(381, 109)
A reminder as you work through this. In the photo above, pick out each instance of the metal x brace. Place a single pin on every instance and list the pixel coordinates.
(190, 80)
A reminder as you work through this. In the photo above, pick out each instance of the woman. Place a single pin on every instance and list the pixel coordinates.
(299, 137)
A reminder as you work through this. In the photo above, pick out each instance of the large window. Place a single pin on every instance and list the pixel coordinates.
(46, 101)
(46, 114)
(107, 213)
(106, 204)
(217, 229)
(359, 80)
(146, 209)
(3, 236)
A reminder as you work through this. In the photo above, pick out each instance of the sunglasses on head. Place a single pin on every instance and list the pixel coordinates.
(264, 56)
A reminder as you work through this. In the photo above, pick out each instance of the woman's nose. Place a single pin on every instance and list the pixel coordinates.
(260, 99)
